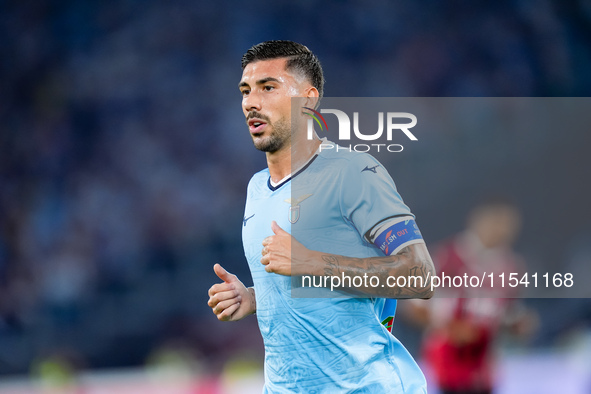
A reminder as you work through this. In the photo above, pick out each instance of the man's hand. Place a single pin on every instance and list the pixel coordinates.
(277, 253)
(231, 300)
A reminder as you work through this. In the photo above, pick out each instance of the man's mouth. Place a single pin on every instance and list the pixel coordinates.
(256, 126)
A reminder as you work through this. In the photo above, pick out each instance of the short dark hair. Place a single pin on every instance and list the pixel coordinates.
(299, 59)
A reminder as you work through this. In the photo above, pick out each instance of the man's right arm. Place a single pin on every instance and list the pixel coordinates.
(230, 300)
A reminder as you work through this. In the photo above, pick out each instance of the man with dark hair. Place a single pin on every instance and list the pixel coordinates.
(345, 216)
(299, 60)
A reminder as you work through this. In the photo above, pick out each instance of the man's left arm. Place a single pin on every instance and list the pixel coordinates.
(412, 265)
(405, 274)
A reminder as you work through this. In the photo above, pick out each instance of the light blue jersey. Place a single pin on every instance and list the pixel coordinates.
(326, 345)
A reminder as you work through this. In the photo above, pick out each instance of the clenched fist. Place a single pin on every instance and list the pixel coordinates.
(230, 300)
(284, 255)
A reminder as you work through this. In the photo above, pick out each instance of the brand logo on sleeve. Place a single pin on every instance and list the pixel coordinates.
(246, 219)
(372, 169)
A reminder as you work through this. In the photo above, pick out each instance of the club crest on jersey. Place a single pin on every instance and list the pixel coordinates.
(294, 209)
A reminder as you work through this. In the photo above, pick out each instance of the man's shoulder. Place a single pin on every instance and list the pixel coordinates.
(262, 174)
(258, 180)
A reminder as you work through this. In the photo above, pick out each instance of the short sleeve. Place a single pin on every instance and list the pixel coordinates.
(369, 195)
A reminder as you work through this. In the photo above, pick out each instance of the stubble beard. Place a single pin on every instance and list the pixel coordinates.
(279, 137)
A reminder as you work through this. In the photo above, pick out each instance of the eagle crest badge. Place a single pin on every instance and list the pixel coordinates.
(294, 209)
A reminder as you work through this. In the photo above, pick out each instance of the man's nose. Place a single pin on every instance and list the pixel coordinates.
(252, 102)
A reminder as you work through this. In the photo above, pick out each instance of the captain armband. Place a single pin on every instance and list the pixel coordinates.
(394, 234)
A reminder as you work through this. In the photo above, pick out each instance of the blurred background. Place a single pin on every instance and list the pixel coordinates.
(124, 160)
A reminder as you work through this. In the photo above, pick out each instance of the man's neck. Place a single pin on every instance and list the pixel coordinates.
(282, 162)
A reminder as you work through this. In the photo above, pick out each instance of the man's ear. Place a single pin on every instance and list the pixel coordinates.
(312, 97)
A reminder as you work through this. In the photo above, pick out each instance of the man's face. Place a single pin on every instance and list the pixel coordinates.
(267, 88)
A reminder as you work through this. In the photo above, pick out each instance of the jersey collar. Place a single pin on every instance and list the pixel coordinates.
(291, 176)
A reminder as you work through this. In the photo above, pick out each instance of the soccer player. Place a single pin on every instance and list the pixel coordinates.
(346, 212)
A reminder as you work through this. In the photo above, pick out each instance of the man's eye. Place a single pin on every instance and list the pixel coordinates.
(269, 88)
(245, 92)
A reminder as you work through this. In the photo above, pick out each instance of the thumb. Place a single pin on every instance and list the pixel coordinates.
(276, 229)
(222, 273)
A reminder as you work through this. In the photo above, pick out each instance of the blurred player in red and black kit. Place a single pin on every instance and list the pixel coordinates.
(461, 327)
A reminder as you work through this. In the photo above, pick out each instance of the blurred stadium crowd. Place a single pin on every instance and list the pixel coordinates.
(124, 157)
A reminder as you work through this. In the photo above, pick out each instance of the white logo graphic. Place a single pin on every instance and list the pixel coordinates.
(394, 122)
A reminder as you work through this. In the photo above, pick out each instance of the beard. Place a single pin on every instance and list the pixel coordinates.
(278, 138)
